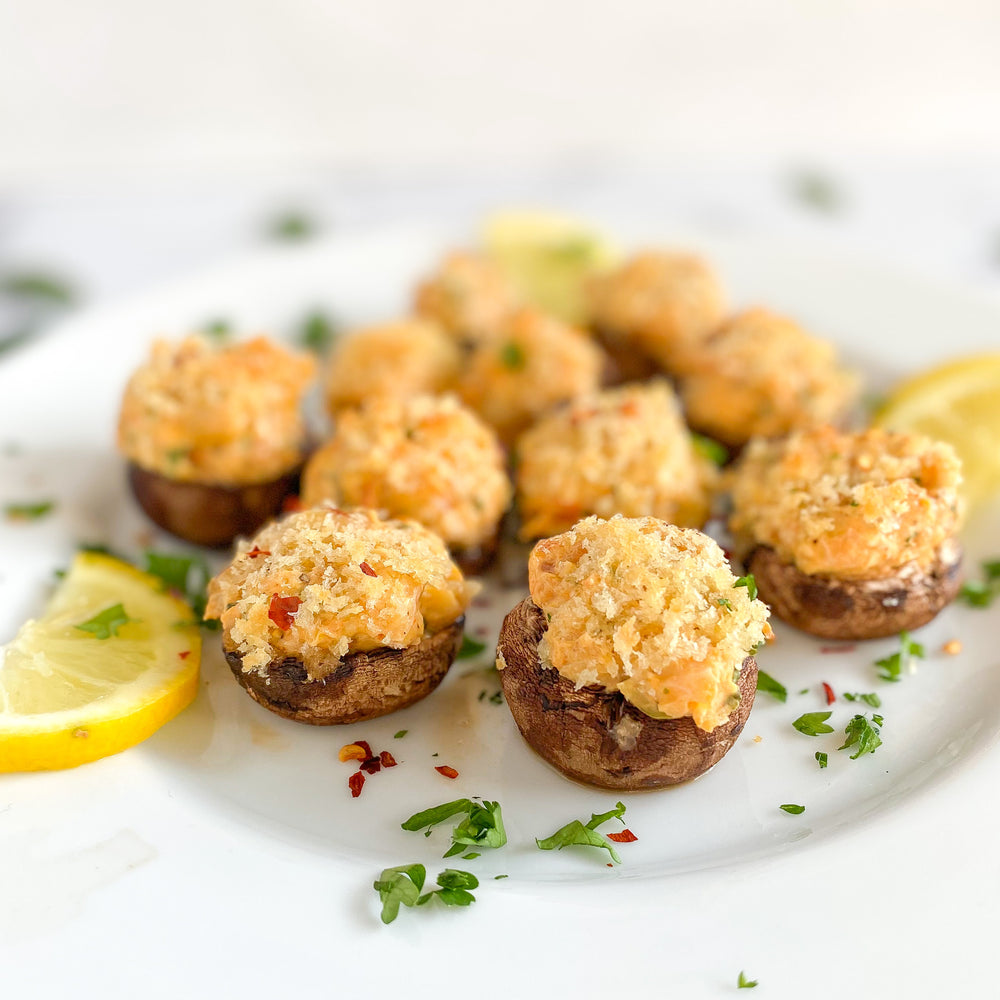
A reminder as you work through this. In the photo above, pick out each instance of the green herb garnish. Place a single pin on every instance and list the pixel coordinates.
(28, 511)
(217, 329)
(292, 226)
(470, 648)
(863, 734)
(106, 623)
(317, 332)
(399, 886)
(813, 723)
(482, 826)
(454, 888)
(745, 984)
(38, 287)
(815, 190)
(400, 734)
(892, 666)
(869, 699)
(790, 807)
(821, 759)
(585, 835)
(712, 450)
(766, 683)
(982, 593)
(750, 583)
(512, 356)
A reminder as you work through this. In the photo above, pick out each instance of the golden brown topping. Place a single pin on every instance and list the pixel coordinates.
(952, 647)
(853, 506)
(761, 375)
(532, 363)
(327, 605)
(395, 359)
(666, 304)
(429, 458)
(621, 451)
(468, 295)
(227, 415)
(647, 609)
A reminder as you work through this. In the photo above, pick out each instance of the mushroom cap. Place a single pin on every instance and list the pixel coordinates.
(856, 609)
(596, 736)
(364, 686)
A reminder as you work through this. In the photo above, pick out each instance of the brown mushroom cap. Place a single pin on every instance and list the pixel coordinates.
(856, 609)
(364, 686)
(596, 736)
(205, 513)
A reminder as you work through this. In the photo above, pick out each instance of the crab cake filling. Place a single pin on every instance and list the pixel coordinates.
(763, 375)
(647, 609)
(852, 506)
(427, 458)
(621, 451)
(396, 359)
(226, 414)
(323, 583)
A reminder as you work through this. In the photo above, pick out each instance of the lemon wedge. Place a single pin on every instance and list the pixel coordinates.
(957, 402)
(111, 660)
(548, 258)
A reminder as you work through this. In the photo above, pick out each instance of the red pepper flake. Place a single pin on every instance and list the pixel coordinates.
(849, 648)
(387, 759)
(184, 654)
(372, 765)
(367, 570)
(448, 772)
(356, 782)
(366, 746)
(625, 837)
(609, 865)
(830, 696)
(291, 504)
(255, 551)
(282, 611)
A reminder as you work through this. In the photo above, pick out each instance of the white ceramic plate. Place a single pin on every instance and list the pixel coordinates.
(252, 862)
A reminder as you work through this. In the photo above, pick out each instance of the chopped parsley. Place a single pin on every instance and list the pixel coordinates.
(47, 289)
(892, 666)
(291, 226)
(400, 734)
(399, 886)
(750, 583)
(317, 332)
(454, 888)
(791, 807)
(28, 511)
(821, 759)
(816, 191)
(585, 835)
(512, 356)
(187, 575)
(981, 593)
(869, 699)
(766, 683)
(712, 450)
(481, 827)
(813, 723)
(106, 623)
(745, 984)
(217, 329)
(470, 648)
(863, 735)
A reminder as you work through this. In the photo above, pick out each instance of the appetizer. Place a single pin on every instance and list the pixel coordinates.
(762, 375)
(395, 359)
(214, 435)
(850, 536)
(530, 364)
(631, 664)
(619, 451)
(428, 458)
(468, 295)
(331, 617)
(654, 311)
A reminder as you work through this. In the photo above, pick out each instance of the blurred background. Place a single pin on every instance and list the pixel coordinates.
(142, 141)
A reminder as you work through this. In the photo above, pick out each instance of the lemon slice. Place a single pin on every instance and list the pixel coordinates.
(957, 402)
(68, 696)
(548, 258)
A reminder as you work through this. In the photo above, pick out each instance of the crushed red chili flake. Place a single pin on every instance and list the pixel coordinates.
(366, 746)
(367, 570)
(282, 611)
(352, 751)
(291, 504)
(849, 648)
(256, 551)
(448, 772)
(371, 766)
(356, 782)
(387, 759)
(625, 837)
(184, 654)
(830, 696)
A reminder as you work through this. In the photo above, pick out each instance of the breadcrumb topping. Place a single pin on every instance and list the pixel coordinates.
(345, 582)
(395, 359)
(530, 364)
(620, 451)
(855, 506)
(664, 303)
(216, 414)
(469, 295)
(762, 375)
(427, 458)
(648, 609)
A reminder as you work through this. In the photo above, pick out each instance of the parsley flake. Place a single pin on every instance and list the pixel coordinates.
(982, 593)
(470, 648)
(750, 583)
(712, 450)
(28, 511)
(187, 576)
(512, 356)
(47, 289)
(821, 759)
(106, 623)
(791, 807)
(869, 699)
(454, 888)
(813, 723)
(481, 827)
(892, 666)
(400, 734)
(766, 683)
(745, 984)
(862, 734)
(585, 835)
(291, 226)
(317, 332)
(217, 329)
(399, 886)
